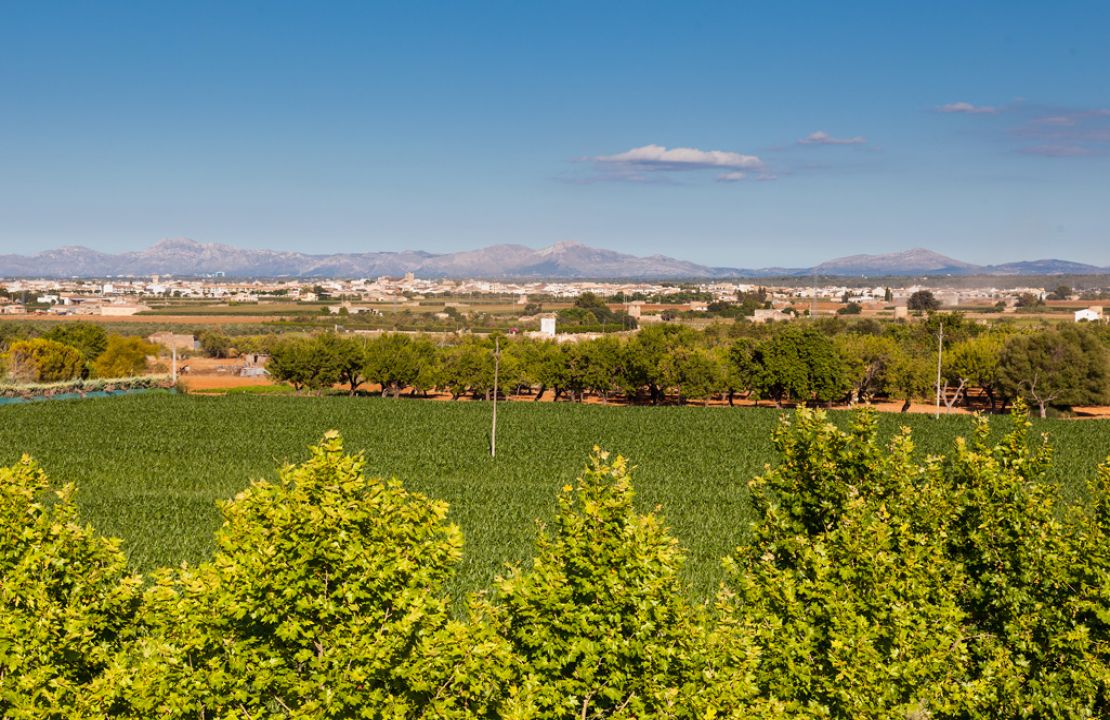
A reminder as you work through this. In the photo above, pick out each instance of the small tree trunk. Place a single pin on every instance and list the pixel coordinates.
(906, 405)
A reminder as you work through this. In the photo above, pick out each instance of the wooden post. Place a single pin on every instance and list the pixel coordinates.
(940, 355)
(496, 369)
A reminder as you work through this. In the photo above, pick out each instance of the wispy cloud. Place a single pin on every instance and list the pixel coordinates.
(1057, 151)
(823, 138)
(1045, 131)
(643, 163)
(968, 109)
(1071, 133)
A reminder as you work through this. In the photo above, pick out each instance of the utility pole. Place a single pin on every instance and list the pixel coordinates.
(496, 369)
(813, 299)
(174, 344)
(940, 355)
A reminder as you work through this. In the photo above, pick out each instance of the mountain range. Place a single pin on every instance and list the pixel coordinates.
(560, 261)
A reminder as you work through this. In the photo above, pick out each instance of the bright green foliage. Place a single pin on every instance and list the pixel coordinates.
(91, 339)
(324, 600)
(467, 368)
(215, 344)
(694, 373)
(646, 351)
(598, 623)
(976, 361)
(845, 584)
(911, 375)
(963, 587)
(800, 364)
(66, 602)
(1057, 367)
(303, 363)
(867, 363)
(1038, 641)
(123, 357)
(44, 361)
(347, 353)
(392, 361)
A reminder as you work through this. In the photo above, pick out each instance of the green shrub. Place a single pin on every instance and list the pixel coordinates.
(323, 600)
(66, 602)
(44, 361)
(123, 357)
(846, 584)
(598, 624)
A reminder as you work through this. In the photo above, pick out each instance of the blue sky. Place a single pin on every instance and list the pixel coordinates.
(741, 134)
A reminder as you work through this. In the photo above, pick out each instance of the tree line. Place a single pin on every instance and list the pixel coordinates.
(873, 585)
(72, 351)
(801, 363)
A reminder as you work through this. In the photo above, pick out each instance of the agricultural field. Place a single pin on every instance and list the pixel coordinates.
(150, 468)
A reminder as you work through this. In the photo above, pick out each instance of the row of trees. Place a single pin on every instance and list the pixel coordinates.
(1061, 366)
(73, 351)
(873, 586)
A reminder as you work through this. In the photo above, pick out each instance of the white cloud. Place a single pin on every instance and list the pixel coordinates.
(657, 157)
(732, 176)
(967, 108)
(823, 138)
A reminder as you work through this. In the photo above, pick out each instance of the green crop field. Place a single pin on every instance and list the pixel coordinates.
(150, 468)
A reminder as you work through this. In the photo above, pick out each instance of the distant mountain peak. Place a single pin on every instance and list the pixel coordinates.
(560, 247)
(914, 261)
(565, 260)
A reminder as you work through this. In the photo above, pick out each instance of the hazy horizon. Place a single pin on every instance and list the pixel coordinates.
(721, 135)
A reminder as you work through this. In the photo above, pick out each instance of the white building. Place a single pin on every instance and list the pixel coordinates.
(1091, 314)
(547, 327)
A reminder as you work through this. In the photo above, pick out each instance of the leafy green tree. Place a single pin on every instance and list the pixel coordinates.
(1036, 625)
(846, 583)
(923, 301)
(539, 362)
(44, 361)
(867, 362)
(694, 373)
(303, 363)
(1056, 367)
(214, 344)
(467, 367)
(324, 600)
(67, 603)
(605, 370)
(124, 357)
(646, 352)
(427, 361)
(977, 361)
(349, 354)
(910, 376)
(738, 368)
(800, 364)
(598, 623)
(89, 338)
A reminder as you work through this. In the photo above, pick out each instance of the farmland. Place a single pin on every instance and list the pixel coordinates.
(149, 469)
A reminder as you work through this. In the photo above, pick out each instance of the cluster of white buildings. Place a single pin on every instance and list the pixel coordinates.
(127, 296)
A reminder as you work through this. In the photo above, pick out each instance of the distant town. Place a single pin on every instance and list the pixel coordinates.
(644, 301)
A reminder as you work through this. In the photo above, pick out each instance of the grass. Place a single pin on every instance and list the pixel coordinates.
(150, 468)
